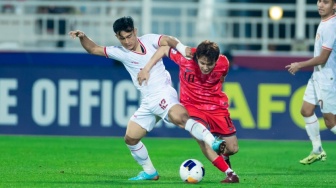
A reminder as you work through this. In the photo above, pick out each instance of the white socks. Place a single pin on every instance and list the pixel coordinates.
(200, 132)
(313, 131)
(229, 170)
(140, 154)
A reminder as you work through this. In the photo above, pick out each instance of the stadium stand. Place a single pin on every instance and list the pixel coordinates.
(37, 25)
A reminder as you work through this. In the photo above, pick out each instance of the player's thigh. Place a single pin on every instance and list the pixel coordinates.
(178, 115)
(134, 130)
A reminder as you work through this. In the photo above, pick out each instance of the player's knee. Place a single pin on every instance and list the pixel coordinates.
(184, 117)
(180, 118)
(130, 141)
(329, 124)
(232, 150)
(235, 150)
(306, 113)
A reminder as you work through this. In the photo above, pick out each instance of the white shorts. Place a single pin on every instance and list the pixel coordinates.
(155, 107)
(321, 94)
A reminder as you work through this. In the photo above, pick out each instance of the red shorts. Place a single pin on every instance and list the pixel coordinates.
(217, 121)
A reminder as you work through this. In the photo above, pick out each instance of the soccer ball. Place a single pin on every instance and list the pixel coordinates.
(192, 171)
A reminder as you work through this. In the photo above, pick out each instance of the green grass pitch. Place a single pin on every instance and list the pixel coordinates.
(39, 161)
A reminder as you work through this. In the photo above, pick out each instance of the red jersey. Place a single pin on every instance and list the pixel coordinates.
(203, 91)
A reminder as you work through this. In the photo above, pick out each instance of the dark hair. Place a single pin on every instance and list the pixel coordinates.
(208, 49)
(123, 24)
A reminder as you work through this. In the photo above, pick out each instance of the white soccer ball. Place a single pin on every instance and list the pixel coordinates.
(192, 171)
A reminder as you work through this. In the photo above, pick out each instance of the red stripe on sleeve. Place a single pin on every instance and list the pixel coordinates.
(159, 40)
(326, 48)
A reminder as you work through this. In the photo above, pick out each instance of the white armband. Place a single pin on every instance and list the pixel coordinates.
(181, 48)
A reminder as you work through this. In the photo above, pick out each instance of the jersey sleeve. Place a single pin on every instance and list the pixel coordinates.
(224, 62)
(177, 57)
(154, 39)
(329, 37)
(114, 52)
(174, 55)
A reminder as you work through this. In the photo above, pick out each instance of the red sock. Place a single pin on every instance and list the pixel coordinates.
(220, 164)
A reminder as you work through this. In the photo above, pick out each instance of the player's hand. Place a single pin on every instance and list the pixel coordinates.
(76, 33)
(189, 54)
(143, 75)
(293, 68)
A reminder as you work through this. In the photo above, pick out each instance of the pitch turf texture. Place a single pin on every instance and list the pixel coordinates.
(27, 161)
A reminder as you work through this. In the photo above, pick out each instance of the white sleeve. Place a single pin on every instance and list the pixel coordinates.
(329, 37)
(154, 39)
(114, 52)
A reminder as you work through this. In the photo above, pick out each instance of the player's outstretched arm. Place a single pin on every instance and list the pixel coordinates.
(318, 60)
(90, 46)
(175, 43)
(143, 75)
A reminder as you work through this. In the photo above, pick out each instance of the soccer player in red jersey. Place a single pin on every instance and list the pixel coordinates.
(201, 85)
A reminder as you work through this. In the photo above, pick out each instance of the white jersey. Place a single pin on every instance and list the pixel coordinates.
(326, 39)
(321, 88)
(134, 62)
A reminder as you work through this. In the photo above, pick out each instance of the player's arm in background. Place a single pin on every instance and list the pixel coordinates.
(175, 43)
(88, 44)
(318, 60)
(143, 75)
(328, 40)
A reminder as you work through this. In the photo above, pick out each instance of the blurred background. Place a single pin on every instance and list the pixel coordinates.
(240, 25)
(50, 86)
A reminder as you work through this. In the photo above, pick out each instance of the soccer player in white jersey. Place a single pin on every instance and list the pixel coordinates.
(159, 98)
(321, 87)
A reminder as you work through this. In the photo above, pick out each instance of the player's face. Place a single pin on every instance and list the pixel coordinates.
(128, 39)
(326, 8)
(205, 66)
